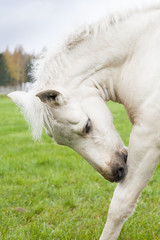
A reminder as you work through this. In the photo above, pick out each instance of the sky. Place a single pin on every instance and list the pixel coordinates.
(35, 24)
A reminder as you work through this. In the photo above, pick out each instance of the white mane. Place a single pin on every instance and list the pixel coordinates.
(51, 67)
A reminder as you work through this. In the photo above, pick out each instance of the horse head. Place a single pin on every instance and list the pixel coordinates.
(80, 120)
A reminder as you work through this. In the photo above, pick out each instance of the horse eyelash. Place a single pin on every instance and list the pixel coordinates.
(87, 126)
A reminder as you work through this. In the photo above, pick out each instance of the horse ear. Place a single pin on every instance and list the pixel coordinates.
(51, 97)
(20, 98)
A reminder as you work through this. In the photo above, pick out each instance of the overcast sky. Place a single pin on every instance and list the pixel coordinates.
(35, 24)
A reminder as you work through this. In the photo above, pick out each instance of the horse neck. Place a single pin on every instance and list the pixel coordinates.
(99, 61)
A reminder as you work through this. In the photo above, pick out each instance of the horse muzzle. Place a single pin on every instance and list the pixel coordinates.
(118, 168)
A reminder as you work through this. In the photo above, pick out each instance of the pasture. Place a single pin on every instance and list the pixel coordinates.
(48, 192)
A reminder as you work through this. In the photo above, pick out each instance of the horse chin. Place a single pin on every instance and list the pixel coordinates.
(112, 179)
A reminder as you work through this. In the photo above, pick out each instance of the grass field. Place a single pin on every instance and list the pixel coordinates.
(48, 192)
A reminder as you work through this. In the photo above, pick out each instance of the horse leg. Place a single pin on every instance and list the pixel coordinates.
(143, 157)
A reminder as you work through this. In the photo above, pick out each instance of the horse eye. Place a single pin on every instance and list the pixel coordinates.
(88, 126)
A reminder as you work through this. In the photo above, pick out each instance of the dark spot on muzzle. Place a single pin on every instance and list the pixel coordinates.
(122, 156)
(125, 156)
(119, 167)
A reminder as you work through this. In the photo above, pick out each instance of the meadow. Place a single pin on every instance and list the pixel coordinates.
(48, 192)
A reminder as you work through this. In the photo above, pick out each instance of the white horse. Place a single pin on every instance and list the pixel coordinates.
(115, 59)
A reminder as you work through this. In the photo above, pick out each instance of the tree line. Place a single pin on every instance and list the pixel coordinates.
(14, 67)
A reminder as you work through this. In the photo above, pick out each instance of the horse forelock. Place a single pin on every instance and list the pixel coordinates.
(33, 113)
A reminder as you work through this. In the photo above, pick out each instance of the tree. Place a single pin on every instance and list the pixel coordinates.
(10, 66)
(16, 65)
(28, 65)
(5, 77)
(19, 64)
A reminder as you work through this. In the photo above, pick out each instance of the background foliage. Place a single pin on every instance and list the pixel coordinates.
(14, 67)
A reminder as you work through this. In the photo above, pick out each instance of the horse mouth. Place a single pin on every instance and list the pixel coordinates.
(118, 174)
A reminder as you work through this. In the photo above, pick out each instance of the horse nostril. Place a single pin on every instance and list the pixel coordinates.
(120, 172)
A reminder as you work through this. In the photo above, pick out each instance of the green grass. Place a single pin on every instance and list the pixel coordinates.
(48, 192)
